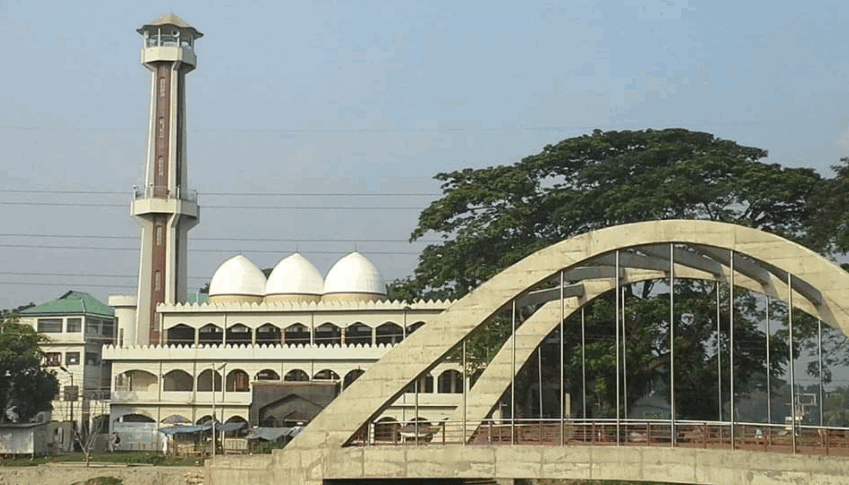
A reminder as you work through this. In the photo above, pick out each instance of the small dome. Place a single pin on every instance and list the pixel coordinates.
(294, 275)
(354, 274)
(237, 276)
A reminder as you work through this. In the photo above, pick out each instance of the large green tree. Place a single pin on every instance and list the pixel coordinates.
(831, 224)
(492, 217)
(26, 388)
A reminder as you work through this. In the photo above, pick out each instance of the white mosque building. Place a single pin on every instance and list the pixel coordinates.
(276, 334)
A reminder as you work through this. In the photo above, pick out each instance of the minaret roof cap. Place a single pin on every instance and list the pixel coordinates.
(170, 19)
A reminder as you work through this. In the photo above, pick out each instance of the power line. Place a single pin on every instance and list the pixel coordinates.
(337, 131)
(87, 275)
(228, 194)
(83, 275)
(278, 207)
(270, 251)
(252, 239)
(65, 284)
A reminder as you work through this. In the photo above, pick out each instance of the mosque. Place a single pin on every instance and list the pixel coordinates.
(268, 352)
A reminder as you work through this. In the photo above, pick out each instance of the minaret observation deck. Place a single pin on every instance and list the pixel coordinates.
(164, 207)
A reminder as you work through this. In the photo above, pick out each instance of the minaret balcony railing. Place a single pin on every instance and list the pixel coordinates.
(168, 40)
(164, 192)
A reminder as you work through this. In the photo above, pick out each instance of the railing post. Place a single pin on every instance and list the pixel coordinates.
(562, 433)
(540, 430)
(592, 431)
(826, 442)
(763, 437)
(648, 433)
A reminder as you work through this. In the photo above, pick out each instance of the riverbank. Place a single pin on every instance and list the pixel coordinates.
(78, 473)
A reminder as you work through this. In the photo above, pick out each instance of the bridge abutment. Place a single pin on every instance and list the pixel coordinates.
(456, 462)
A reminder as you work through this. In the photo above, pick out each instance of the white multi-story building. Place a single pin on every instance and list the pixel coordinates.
(76, 327)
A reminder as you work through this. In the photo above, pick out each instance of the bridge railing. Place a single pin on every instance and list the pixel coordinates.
(609, 432)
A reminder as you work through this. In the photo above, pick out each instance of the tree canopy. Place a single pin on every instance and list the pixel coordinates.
(26, 388)
(490, 218)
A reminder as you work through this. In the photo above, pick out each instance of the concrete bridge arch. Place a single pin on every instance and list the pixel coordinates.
(722, 251)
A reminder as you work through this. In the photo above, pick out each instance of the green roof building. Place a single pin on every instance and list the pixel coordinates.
(71, 303)
(77, 326)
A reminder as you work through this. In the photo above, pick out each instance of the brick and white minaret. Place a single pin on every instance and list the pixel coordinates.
(164, 207)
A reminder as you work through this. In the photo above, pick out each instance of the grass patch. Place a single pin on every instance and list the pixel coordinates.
(101, 481)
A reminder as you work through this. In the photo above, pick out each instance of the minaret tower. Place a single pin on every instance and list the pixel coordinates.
(164, 208)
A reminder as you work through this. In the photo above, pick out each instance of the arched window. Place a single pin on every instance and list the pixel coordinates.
(175, 419)
(206, 419)
(205, 379)
(358, 333)
(425, 385)
(389, 333)
(237, 419)
(238, 381)
(181, 334)
(267, 375)
(326, 375)
(450, 382)
(210, 334)
(268, 334)
(296, 375)
(328, 334)
(177, 380)
(239, 334)
(352, 376)
(419, 428)
(135, 418)
(386, 429)
(296, 334)
(136, 380)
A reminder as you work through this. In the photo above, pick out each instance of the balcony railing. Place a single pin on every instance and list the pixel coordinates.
(163, 192)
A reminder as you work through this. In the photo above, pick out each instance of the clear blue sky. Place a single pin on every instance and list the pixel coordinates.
(371, 97)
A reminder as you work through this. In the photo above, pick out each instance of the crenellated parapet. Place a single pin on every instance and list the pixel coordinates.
(326, 306)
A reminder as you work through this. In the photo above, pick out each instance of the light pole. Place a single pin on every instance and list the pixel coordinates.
(68, 396)
(212, 377)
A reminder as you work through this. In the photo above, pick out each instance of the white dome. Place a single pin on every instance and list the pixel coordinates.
(237, 276)
(294, 275)
(354, 274)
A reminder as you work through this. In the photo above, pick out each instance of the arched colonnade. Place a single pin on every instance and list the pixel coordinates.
(297, 333)
(210, 378)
